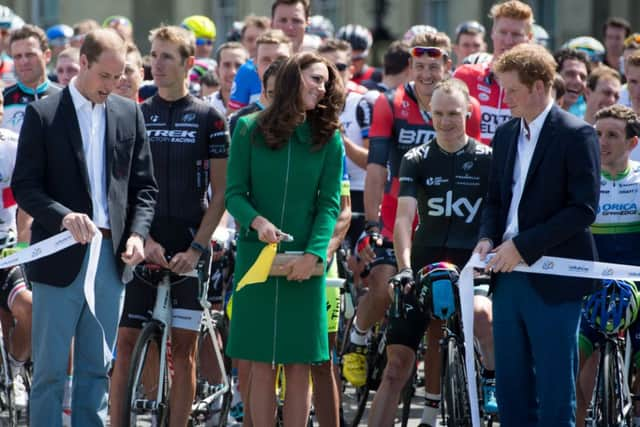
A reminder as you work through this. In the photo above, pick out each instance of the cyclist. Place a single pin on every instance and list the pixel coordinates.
(230, 56)
(15, 290)
(445, 180)
(395, 70)
(574, 67)
(67, 65)
(602, 90)
(132, 76)
(289, 16)
(189, 142)
(361, 41)
(30, 52)
(616, 229)
(401, 120)
(469, 39)
(512, 25)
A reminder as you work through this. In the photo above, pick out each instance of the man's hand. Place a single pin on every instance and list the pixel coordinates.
(154, 252)
(301, 268)
(134, 250)
(365, 244)
(483, 247)
(506, 258)
(80, 226)
(184, 262)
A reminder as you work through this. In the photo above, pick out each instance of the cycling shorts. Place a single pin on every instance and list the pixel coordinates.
(589, 337)
(333, 300)
(140, 298)
(13, 282)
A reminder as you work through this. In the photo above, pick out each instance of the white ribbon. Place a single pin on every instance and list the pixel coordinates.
(545, 265)
(56, 244)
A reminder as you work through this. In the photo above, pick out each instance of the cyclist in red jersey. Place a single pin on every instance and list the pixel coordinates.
(401, 121)
(512, 25)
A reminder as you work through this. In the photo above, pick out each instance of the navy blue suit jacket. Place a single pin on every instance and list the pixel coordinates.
(559, 201)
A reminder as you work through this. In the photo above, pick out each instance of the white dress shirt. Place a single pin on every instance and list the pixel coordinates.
(92, 122)
(524, 154)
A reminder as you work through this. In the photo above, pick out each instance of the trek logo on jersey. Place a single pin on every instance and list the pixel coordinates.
(173, 135)
(415, 136)
(446, 206)
(492, 118)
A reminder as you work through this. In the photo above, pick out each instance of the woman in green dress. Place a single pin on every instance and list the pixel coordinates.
(284, 175)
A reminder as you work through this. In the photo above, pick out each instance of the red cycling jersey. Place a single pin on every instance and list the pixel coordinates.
(399, 125)
(484, 87)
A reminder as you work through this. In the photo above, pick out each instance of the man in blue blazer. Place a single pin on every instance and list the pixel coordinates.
(84, 165)
(543, 195)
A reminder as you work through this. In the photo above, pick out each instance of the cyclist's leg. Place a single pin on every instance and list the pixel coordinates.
(515, 386)
(432, 360)
(587, 370)
(137, 305)
(186, 319)
(262, 395)
(297, 396)
(483, 331)
(183, 348)
(20, 303)
(403, 339)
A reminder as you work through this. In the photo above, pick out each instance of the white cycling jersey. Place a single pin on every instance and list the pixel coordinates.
(8, 206)
(356, 119)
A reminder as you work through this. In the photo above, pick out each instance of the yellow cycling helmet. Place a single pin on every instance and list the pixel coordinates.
(201, 26)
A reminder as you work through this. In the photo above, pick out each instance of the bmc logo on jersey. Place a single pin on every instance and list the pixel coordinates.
(446, 206)
(415, 136)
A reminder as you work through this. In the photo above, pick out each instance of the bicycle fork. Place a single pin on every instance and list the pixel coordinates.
(162, 314)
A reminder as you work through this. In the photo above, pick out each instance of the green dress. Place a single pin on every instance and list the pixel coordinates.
(298, 190)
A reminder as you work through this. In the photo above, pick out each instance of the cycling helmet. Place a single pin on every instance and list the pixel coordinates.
(9, 20)
(592, 47)
(116, 20)
(320, 26)
(612, 308)
(359, 37)
(478, 58)
(235, 33)
(540, 35)
(437, 289)
(200, 68)
(201, 26)
(418, 29)
(59, 34)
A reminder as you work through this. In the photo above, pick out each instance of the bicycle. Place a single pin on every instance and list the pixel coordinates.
(611, 401)
(148, 392)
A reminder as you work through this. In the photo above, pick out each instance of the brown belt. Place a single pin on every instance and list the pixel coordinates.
(106, 233)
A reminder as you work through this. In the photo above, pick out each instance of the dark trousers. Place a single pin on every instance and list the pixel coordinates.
(536, 350)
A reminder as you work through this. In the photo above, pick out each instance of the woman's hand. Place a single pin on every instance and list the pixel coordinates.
(267, 232)
(301, 268)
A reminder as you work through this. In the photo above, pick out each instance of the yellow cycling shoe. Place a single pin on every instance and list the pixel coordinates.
(354, 365)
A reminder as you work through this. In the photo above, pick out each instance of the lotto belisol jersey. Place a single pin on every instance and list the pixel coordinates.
(17, 97)
(8, 207)
(616, 229)
(484, 87)
(184, 135)
(449, 188)
(399, 125)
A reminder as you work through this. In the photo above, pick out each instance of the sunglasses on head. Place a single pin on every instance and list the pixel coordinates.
(470, 26)
(430, 51)
(633, 38)
(340, 66)
(204, 42)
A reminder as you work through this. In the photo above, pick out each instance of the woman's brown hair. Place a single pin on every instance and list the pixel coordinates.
(278, 121)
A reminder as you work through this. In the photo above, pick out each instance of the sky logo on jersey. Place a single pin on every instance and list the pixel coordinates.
(446, 206)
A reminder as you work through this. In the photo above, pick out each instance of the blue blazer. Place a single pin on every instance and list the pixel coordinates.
(559, 201)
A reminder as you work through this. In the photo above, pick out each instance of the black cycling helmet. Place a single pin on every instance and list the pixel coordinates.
(359, 37)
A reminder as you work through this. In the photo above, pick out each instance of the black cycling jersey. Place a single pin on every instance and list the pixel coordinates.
(183, 135)
(249, 109)
(449, 188)
(17, 97)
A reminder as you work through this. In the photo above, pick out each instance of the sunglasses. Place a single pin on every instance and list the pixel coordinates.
(430, 51)
(340, 66)
(470, 26)
(632, 39)
(204, 42)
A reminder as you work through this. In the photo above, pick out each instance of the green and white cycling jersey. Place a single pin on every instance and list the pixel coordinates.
(618, 219)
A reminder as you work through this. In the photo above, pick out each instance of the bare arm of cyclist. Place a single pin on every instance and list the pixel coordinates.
(402, 231)
(342, 226)
(24, 221)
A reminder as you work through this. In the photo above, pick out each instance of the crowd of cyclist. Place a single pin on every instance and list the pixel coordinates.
(417, 137)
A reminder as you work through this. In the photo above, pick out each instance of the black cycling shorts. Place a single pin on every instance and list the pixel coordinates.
(13, 282)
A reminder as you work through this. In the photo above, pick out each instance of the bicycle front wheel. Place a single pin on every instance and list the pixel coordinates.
(455, 390)
(146, 370)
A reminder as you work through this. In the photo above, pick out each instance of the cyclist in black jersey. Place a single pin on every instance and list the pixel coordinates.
(445, 180)
(189, 141)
